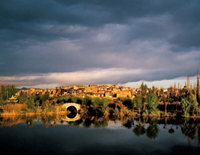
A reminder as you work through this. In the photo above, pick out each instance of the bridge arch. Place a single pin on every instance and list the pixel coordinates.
(67, 105)
(77, 107)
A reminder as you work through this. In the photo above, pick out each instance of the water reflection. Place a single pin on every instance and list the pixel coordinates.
(72, 112)
(171, 130)
(152, 130)
(139, 129)
(127, 135)
(150, 127)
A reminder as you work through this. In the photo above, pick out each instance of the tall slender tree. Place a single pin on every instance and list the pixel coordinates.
(198, 87)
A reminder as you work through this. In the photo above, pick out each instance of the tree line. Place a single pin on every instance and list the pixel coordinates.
(145, 103)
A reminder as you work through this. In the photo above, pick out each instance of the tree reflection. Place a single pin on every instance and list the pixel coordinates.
(171, 130)
(152, 130)
(76, 123)
(189, 130)
(127, 122)
(29, 122)
(139, 129)
(100, 122)
(87, 123)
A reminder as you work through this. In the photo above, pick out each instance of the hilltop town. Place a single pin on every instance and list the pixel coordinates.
(105, 100)
(107, 91)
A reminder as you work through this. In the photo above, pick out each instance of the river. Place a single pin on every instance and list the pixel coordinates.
(98, 136)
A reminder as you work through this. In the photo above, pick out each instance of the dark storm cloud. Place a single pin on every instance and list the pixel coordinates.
(161, 37)
(37, 19)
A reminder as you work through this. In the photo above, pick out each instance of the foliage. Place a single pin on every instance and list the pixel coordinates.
(87, 101)
(128, 103)
(161, 91)
(30, 103)
(153, 90)
(138, 101)
(96, 102)
(194, 103)
(74, 99)
(45, 97)
(152, 101)
(3, 102)
(185, 103)
(14, 108)
(143, 89)
(146, 112)
(22, 99)
(171, 100)
(116, 111)
(124, 111)
(7, 91)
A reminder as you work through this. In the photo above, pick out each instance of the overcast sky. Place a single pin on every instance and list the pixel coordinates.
(59, 42)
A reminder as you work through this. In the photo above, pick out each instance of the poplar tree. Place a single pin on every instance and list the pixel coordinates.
(198, 89)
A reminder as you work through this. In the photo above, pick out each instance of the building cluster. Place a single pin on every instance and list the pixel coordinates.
(108, 91)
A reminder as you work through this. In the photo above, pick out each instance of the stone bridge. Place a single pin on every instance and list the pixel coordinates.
(75, 105)
(67, 105)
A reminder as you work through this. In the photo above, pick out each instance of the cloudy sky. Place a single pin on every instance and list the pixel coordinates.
(59, 42)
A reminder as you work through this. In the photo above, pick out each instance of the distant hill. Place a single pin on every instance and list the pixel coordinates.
(23, 88)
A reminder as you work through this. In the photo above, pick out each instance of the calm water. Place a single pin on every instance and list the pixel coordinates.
(48, 136)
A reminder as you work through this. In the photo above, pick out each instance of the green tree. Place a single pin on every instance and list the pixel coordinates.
(104, 102)
(3, 92)
(161, 91)
(152, 101)
(7, 91)
(143, 88)
(138, 101)
(185, 104)
(194, 103)
(45, 97)
(87, 101)
(96, 102)
(128, 103)
(22, 99)
(153, 90)
(30, 103)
